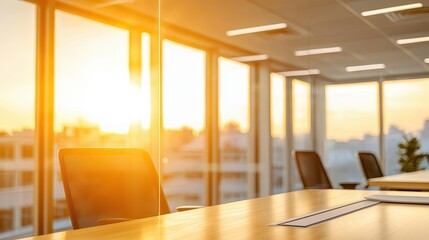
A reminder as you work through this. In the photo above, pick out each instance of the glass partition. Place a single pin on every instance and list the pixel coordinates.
(406, 115)
(234, 129)
(351, 126)
(301, 105)
(301, 117)
(184, 137)
(278, 131)
(92, 92)
(17, 121)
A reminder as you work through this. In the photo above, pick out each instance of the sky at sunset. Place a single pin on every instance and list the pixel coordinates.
(92, 85)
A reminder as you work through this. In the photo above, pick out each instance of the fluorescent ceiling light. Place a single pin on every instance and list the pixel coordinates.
(391, 9)
(412, 40)
(256, 29)
(300, 72)
(426, 60)
(251, 58)
(365, 67)
(317, 51)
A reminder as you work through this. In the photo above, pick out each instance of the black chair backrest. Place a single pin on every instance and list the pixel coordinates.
(370, 165)
(102, 183)
(311, 170)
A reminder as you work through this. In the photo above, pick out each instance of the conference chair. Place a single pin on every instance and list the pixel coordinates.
(108, 185)
(312, 172)
(370, 165)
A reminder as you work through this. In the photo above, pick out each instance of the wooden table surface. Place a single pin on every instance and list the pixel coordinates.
(407, 181)
(249, 219)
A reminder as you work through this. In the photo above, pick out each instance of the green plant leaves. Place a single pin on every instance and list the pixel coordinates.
(410, 159)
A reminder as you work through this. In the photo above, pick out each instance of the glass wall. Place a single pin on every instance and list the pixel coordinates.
(301, 126)
(184, 138)
(17, 121)
(352, 125)
(278, 131)
(301, 105)
(92, 91)
(234, 129)
(405, 114)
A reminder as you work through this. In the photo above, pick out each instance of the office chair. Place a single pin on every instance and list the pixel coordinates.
(370, 165)
(107, 185)
(311, 170)
(313, 174)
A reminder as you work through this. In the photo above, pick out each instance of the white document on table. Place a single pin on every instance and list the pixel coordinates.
(399, 199)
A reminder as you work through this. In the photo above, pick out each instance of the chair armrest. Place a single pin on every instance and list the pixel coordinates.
(349, 185)
(105, 221)
(187, 208)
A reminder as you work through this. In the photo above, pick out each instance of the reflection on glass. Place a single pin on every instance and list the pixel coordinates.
(92, 91)
(351, 126)
(17, 121)
(301, 117)
(278, 130)
(234, 128)
(405, 113)
(183, 143)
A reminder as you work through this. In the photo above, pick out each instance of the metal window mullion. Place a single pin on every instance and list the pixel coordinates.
(155, 95)
(381, 123)
(313, 110)
(319, 116)
(211, 170)
(264, 158)
(44, 132)
(135, 71)
(288, 170)
(252, 179)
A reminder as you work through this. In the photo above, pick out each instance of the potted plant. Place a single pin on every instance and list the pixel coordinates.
(410, 157)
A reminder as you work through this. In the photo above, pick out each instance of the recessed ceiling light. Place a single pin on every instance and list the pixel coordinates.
(365, 67)
(251, 58)
(300, 72)
(256, 29)
(426, 60)
(412, 40)
(317, 51)
(391, 9)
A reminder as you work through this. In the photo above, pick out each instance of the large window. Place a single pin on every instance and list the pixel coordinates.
(234, 129)
(278, 131)
(301, 105)
(301, 126)
(17, 121)
(405, 114)
(183, 145)
(351, 126)
(92, 90)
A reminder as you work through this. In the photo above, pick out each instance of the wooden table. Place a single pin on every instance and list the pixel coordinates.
(407, 181)
(249, 219)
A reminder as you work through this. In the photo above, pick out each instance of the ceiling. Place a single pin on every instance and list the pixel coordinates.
(311, 24)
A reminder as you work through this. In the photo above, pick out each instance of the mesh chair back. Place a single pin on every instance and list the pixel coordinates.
(110, 183)
(311, 170)
(370, 165)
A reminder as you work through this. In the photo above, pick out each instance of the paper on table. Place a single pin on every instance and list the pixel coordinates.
(399, 199)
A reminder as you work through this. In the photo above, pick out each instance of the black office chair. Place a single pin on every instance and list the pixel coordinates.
(370, 165)
(107, 185)
(312, 172)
